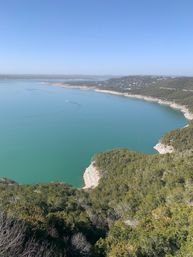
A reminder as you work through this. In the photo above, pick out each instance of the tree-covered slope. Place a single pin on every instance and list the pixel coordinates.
(150, 197)
(55, 217)
(181, 139)
(142, 207)
(178, 89)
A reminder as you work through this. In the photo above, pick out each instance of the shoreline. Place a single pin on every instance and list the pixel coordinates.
(91, 177)
(163, 149)
(187, 114)
(159, 147)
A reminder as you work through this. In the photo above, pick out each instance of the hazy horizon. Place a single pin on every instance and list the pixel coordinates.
(92, 75)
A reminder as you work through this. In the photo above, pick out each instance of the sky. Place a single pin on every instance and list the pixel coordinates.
(96, 37)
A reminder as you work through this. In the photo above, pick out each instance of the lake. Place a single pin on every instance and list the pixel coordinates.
(49, 133)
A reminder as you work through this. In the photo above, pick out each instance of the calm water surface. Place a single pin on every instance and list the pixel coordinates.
(50, 133)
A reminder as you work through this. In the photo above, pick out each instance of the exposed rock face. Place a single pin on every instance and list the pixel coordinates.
(6, 181)
(91, 176)
(163, 149)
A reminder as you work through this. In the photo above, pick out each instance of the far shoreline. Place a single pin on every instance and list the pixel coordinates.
(187, 114)
(91, 175)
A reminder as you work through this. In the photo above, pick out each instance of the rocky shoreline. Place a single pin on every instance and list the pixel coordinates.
(91, 176)
(163, 149)
(187, 114)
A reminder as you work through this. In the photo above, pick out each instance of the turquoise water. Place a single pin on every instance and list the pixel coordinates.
(50, 133)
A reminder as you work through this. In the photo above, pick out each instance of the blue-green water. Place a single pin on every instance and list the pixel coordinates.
(50, 133)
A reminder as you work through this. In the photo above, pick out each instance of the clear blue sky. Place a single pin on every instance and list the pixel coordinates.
(96, 36)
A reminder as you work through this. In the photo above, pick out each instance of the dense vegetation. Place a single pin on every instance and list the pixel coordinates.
(179, 90)
(143, 206)
(151, 198)
(56, 215)
(180, 139)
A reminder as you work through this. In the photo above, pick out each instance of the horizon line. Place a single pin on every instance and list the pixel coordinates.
(90, 75)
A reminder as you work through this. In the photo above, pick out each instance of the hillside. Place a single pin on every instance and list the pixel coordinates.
(142, 207)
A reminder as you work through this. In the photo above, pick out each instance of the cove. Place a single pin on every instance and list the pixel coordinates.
(49, 133)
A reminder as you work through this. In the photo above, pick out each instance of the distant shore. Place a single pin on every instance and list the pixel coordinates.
(91, 176)
(187, 114)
